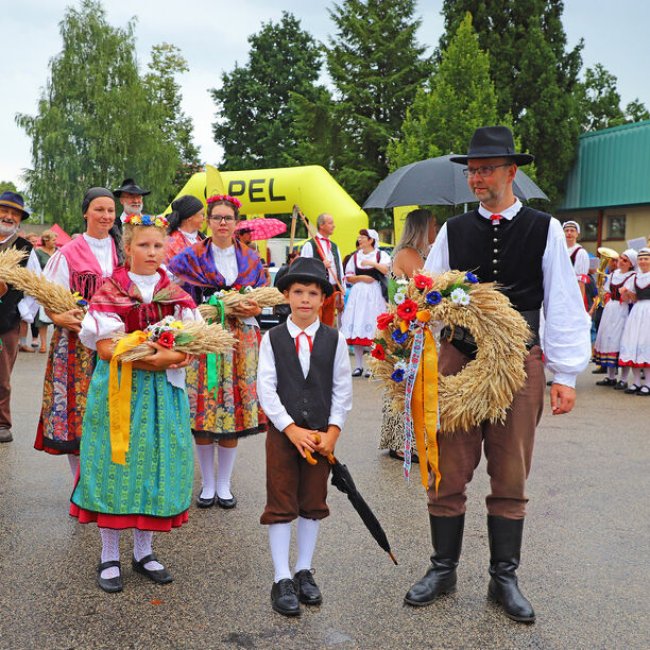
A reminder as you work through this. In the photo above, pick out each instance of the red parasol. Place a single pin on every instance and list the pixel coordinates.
(262, 228)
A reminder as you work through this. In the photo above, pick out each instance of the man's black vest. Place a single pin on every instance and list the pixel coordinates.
(509, 253)
(335, 255)
(9, 314)
(307, 400)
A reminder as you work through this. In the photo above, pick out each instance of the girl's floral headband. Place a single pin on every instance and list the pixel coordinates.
(146, 220)
(224, 197)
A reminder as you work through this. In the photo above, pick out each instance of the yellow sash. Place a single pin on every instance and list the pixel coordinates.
(119, 397)
(424, 406)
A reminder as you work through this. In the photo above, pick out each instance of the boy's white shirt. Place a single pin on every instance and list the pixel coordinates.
(267, 378)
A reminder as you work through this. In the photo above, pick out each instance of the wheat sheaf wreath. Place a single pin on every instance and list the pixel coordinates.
(485, 387)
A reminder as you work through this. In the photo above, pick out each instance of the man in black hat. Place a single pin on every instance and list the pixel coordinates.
(13, 307)
(524, 251)
(130, 196)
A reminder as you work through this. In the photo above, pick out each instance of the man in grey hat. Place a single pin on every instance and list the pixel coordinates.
(524, 251)
(13, 306)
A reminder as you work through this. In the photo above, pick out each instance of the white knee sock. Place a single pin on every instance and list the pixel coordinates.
(358, 356)
(636, 376)
(625, 371)
(306, 541)
(142, 546)
(225, 463)
(280, 541)
(611, 373)
(110, 551)
(74, 464)
(205, 454)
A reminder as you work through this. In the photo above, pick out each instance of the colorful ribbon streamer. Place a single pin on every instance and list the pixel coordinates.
(213, 361)
(421, 407)
(119, 396)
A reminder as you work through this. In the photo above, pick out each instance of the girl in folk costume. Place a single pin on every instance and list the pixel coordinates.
(578, 255)
(185, 222)
(612, 322)
(223, 395)
(141, 479)
(365, 271)
(81, 265)
(635, 342)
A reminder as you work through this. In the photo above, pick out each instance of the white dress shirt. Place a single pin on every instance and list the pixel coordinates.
(581, 266)
(267, 378)
(566, 337)
(336, 270)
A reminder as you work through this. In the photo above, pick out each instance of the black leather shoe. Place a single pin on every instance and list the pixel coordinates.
(601, 370)
(357, 372)
(110, 585)
(160, 576)
(633, 388)
(283, 598)
(606, 382)
(620, 385)
(505, 537)
(226, 504)
(205, 503)
(447, 538)
(308, 591)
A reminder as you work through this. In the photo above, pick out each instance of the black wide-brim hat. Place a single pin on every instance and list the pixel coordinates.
(306, 269)
(131, 187)
(493, 142)
(15, 201)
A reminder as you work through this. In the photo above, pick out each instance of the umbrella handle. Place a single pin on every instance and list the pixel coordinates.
(310, 458)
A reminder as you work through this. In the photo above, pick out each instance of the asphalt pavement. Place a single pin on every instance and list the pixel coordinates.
(585, 562)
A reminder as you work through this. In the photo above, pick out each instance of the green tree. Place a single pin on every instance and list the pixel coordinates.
(636, 111)
(95, 124)
(458, 98)
(255, 119)
(7, 186)
(376, 67)
(534, 74)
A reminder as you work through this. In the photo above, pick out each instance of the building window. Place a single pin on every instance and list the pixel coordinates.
(616, 227)
(588, 228)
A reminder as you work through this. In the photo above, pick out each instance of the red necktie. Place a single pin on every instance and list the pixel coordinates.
(328, 242)
(309, 342)
(495, 219)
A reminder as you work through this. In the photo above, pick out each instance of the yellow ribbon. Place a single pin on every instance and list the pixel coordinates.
(424, 405)
(119, 396)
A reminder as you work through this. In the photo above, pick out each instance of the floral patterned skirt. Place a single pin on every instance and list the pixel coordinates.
(67, 379)
(230, 410)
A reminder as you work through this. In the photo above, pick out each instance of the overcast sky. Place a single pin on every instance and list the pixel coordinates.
(212, 35)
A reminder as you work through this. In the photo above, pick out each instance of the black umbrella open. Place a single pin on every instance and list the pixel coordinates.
(437, 181)
(342, 481)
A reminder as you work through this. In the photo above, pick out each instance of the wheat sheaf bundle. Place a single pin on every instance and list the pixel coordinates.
(263, 296)
(484, 389)
(195, 338)
(51, 296)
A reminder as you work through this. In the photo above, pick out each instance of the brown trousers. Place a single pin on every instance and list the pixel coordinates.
(293, 486)
(8, 354)
(508, 447)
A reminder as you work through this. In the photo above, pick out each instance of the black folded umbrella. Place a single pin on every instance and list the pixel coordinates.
(342, 481)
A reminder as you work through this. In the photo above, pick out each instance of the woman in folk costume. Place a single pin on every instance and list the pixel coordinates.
(409, 256)
(81, 265)
(141, 479)
(223, 395)
(635, 342)
(185, 223)
(612, 322)
(365, 271)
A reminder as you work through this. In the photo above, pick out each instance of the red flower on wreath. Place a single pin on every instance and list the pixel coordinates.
(384, 320)
(423, 282)
(166, 339)
(407, 309)
(378, 352)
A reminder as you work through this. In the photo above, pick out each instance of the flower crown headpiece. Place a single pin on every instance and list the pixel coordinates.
(146, 220)
(224, 197)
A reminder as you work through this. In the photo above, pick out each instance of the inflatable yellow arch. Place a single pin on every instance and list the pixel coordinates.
(276, 191)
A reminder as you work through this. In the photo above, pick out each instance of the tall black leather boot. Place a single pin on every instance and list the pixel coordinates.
(447, 538)
(505, 549)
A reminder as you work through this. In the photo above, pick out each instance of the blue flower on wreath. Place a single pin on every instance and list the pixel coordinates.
(400, 337)
(82, 303)
(147, 220)
(433, 298)
(470, 277)
(398, 375)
